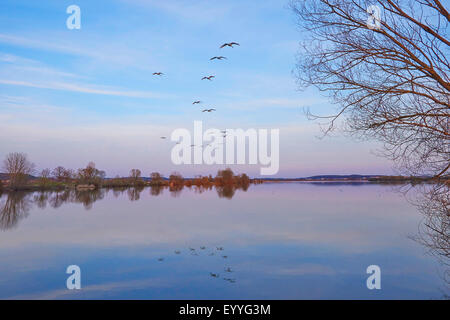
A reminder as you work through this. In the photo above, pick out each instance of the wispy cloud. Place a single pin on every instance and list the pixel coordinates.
(30, 65)
(94, 289)
(11, 58)
(101, 50)
(37, 43)
(26, 104)
(82, 88)
(32, 73)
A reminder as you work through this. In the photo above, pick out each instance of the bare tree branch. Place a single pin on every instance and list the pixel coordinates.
(391, 83)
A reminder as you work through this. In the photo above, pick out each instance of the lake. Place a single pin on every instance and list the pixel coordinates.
(272, 241)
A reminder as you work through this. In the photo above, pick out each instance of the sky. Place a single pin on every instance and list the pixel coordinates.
(68, 97)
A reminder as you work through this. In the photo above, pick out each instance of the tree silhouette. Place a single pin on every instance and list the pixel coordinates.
(391, 83)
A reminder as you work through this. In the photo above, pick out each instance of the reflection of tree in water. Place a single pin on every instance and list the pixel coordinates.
(117, 191)
(13, 209)
(200, 189)
(88, 197)
(175, 190)
(41, 199)
(58, 198)
(226, 191)
(134, 193)
(15, 205)
(156, 190)
(433, 202)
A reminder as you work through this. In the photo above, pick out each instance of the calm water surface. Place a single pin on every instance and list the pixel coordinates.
(280, 241)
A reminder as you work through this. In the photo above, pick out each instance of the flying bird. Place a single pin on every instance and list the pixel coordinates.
(203, 248)
(228, 270)
(197, 102)
(214, 275)
(158, 73)
(177, 251)
(208, 110)
(230, 44)
(208, 78)
(161, 259)
(220, 248)
(218, 58)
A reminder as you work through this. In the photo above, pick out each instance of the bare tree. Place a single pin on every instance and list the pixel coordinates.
(62, 174)
(135, 174)
(58, 173)
(225, 177)
(44, 177)
(18, 167)
(156, 178)
(91, 175)
(389, 75)
(135, 177)
(176, 178)
(176, 183)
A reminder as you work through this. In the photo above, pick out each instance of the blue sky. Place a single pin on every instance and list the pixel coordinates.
(71, 96)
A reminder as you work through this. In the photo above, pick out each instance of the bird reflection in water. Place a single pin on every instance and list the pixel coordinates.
(195, 252)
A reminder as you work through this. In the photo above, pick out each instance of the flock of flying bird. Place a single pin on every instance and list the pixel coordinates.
(210, 77)
(194, 252)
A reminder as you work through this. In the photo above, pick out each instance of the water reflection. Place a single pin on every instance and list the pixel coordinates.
(156, 190)
(13, 209)
(16, 205)
(433, 201)
(86, 197)
(175, 190)
(117, 191)
(282, 241)
(223, 273)
(134, 193)
(226, 191)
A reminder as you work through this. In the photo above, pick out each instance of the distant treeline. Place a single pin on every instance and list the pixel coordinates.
(362, 178)
(19, 176)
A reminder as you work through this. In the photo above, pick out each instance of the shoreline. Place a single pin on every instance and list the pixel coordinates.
(188, 183)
